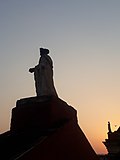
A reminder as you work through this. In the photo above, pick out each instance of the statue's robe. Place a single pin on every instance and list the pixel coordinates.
(43, 75)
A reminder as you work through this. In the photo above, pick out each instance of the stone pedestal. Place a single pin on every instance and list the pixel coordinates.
(41, 113)
(45, 128)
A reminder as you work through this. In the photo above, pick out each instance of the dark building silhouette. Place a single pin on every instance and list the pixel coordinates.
(44, 128)
(113, 143)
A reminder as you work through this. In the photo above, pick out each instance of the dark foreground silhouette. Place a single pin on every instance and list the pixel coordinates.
(44, 128)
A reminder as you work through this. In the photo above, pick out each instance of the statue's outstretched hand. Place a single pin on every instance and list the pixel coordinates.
(31, 70)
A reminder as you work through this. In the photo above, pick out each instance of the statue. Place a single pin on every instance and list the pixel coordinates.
(43, 75)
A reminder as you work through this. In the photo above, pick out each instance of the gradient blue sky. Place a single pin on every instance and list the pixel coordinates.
(83, 37)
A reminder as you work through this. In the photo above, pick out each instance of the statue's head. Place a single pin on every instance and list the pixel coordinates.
(44, 51)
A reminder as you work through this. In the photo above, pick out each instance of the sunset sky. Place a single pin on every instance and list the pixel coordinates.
(83, 37)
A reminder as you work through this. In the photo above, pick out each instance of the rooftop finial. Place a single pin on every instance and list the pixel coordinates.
(109, 127)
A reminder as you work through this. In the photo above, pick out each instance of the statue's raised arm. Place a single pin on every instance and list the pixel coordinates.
(43, 75)
(31, 70)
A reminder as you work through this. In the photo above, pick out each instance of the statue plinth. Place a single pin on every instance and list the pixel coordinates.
(40, 113)
(45, 128)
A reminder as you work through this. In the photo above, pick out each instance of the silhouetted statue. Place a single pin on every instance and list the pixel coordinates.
(43, 75)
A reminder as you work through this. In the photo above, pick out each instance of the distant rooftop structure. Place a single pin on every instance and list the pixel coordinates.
(113, 142)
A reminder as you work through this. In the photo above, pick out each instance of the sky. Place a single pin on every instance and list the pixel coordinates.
(83, 37)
